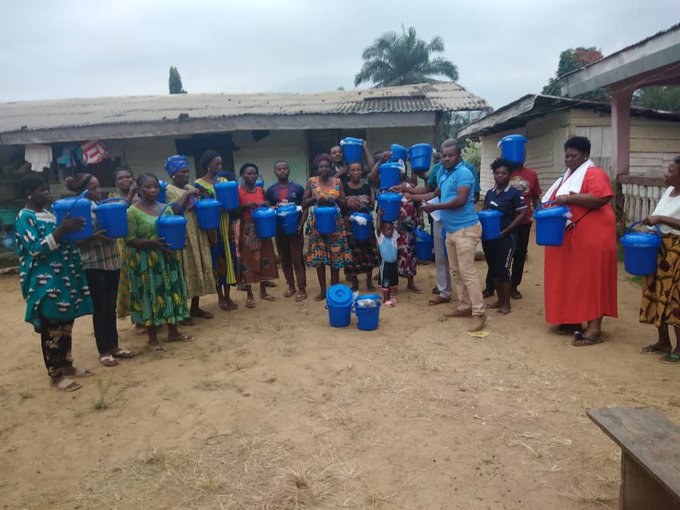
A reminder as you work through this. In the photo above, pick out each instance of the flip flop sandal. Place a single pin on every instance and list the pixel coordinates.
(182, 337)
(301, 296)
(156, 348)
(438, 300)
(391, 303)
(515, 294)
(415, 290)
(650, 349)
(80, 372)
(267, 297)
(108, 360)
(581, 340)
(123, 353)
(202, 314)
(671, 358)
(289, 292)
(250, 303)
(67, 385)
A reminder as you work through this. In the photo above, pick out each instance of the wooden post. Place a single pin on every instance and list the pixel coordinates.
(620, 119)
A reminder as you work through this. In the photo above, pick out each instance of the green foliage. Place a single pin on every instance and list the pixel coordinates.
(175, 82)
(402, 59)
(659, 98)
(473, 153)
(571, 60)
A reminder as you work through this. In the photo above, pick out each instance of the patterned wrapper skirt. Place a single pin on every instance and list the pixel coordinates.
(661, 290)
(257, 258)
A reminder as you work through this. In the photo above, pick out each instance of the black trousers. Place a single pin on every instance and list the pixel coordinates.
(104, 290)
(523, 233)
(55, 339)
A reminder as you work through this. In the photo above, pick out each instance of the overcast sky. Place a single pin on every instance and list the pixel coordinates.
(503, 48)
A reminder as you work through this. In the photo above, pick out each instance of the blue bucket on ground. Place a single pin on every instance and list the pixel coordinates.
(163, 195)
(111, 216)
(367, 308)
(352, 149)
(173, 229)
(208, 213)
(424, 245)
(75, 207)
(227, 194)
(325, 219)
(287, 217)
(390, 203)
(491, 223)
(512, 148)
(398, 152)
(339, 303)
(390, 175)
(420, 156)
(361, 232)
(640, 250)
(551, 222)
(265, 222)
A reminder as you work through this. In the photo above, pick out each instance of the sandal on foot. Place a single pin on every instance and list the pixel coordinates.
(108, 360)
(301, 296)
(581, 340)
(267, 297)
(568, 329)
(123, 353)
(202, 314)
(250, 303)
(671, 358)
(503, 312)
(438, 300)
(289, 292)
(515, 294)
(186, 322)
(492, 306)
(487, 293)
(415, 290)
(652, 349)
(156, 348)
(182, 337)
(77, 372)
(66, 385)
(391, 303)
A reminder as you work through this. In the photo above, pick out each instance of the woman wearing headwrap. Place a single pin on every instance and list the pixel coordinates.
(221, 247)
(330, 249)
(195, 257)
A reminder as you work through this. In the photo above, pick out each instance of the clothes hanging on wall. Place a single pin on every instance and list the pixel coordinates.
(39, 156)
(94, 152)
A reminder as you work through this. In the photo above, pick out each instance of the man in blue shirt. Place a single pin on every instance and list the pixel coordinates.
(289, 246)
(455, 189)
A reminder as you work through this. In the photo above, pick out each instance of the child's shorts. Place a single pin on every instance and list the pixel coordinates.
(389, 275)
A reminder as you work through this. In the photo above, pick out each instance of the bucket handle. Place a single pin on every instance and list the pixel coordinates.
(629, 229)
(79, 197)
(170, 205)
(114, 199)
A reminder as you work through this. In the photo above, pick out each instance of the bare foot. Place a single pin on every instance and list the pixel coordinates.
(504, 310)
(493, 306)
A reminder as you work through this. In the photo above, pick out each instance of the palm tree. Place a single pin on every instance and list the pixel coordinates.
(403, 59)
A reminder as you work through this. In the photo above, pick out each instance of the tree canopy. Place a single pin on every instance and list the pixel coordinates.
(571, 60)
(175, 82)
(402, 59)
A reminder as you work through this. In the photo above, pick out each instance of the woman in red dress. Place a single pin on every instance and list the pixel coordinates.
(580, 275)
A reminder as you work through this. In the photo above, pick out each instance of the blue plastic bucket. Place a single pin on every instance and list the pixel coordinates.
(361, 232)
(227, 193)
(173, 229)
(75, 207)
(398, 152)
(259, 182)
(265, 222)
(339, 303)
(111, 217)
(367, 308)
(325, 219)
(287, 217)
(163, 195)
(208, 213)
(352, 148)
(491, 223)
(551, 222)
(390, 203)
(424, 245)
(640, 250)
(390, 175)
(420, 156)
(512, 148)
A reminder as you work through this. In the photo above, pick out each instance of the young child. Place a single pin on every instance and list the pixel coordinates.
(389, 273)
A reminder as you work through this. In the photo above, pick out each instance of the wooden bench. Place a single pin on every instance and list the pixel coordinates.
(650, 456)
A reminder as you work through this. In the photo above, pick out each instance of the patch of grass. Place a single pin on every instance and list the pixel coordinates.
(27, 393)
(103, 389)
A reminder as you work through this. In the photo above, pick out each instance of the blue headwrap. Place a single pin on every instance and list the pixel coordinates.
(176, 163)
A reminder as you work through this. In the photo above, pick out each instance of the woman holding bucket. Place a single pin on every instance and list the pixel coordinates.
(326, 249)
(360, 199)
(101, 263)
(580, 275)
(52, 282)
(661, 290)
(499, 252)
(158, 293)
(257, 260)
(222, 248)
(195, 257)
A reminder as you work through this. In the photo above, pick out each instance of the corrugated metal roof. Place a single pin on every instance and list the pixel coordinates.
(73, 113)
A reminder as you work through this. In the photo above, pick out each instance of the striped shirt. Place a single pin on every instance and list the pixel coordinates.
(97, 254)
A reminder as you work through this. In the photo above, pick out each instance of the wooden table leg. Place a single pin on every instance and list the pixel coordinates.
(639, 491)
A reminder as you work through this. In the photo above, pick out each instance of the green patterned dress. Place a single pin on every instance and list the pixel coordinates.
(158, 293)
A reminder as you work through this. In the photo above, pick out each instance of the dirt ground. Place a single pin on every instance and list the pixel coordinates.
(271, 408)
